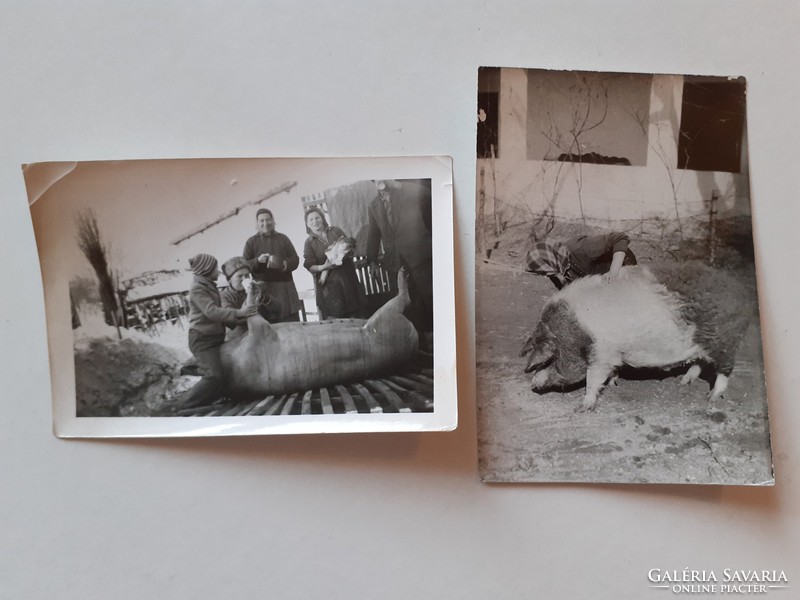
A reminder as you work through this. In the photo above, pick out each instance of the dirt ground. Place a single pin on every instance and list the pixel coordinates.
(644, 430)
(136, 376)
(127, 378)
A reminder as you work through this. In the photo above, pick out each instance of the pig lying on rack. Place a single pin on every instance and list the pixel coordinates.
(659, 317)
(287, 357)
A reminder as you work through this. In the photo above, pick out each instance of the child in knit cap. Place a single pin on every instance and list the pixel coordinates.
(237, 271)
(207, 321)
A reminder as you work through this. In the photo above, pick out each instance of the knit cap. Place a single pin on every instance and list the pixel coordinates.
(230, 266)
(203, 264)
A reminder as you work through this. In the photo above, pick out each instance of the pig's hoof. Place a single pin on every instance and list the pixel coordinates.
(586, 407)
(718, 391)
(691, 375)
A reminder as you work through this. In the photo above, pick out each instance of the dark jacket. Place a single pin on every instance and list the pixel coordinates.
(406, 236)
(269, 308)
(592, 254)
(280, 284)
(206, 315)
(276, 244)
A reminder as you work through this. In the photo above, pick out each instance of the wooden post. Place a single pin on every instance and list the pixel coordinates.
(76, 318)
(481, 240)
(497, 228)
(712, 227)
(116, 323)
(123, 306)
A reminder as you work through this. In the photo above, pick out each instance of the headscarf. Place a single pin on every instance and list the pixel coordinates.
(203, 264)
(549, 258)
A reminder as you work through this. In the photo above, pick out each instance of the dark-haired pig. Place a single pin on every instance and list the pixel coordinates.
(660, 317)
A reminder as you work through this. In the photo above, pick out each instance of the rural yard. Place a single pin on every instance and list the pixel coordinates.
(647, 429)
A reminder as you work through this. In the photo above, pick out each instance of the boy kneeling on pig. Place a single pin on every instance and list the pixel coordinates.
(207, 321)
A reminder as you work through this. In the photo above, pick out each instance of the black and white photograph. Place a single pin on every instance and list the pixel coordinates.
(285, 295)
(617, 326)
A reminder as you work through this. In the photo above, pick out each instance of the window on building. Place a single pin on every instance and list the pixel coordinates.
(488, 111)
(712, 124)
(587, 117)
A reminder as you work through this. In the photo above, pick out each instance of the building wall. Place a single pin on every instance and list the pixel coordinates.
(517, 187)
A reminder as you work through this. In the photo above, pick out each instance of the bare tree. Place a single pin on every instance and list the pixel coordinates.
(96, 252)
(588, 103)
(664, 156)
(73, 304)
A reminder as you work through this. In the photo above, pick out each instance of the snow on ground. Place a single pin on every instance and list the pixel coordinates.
(138, 375)
(93, 327)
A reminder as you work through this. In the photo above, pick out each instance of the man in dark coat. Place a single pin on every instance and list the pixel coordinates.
(400, 218)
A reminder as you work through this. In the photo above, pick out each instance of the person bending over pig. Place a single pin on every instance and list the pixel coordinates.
(207, 321)
(564, 262)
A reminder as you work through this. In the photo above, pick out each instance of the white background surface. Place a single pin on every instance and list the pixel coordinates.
(359, 516)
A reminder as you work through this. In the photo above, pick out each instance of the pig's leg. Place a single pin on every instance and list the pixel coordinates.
(596, 376)
(724, 359)
(393, 307)
(389, 326)
(720, 385)
(257, 325)
(691, 375)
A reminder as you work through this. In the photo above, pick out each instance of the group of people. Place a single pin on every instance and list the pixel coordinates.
(398, 223)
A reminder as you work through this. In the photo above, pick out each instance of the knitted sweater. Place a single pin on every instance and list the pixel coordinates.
(206, 314)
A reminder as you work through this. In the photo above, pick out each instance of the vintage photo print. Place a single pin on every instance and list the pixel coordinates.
(247, 296)
(617, 323)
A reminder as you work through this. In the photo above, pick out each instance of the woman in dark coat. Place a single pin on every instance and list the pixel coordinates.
(272, 258)
(339, 293)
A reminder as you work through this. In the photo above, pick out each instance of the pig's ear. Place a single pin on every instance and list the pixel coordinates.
(544, 352)
(527, 346)
(541, 356)
(542, 332)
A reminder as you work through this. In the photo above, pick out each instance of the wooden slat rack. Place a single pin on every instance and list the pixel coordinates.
(407, 392)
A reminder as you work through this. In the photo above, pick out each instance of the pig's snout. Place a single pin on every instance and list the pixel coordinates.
(541, 380)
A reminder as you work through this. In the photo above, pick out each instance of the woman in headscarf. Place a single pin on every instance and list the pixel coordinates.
(325, 255)
(564, 262)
